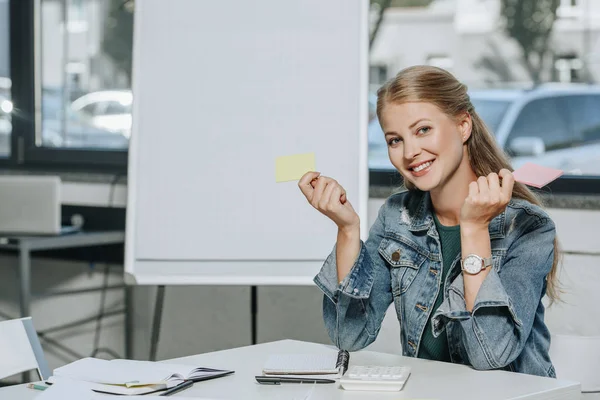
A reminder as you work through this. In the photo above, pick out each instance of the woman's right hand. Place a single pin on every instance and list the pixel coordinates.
(329, 197)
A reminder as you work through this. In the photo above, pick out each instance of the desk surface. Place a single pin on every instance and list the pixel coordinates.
(429, 379)
(49, 242)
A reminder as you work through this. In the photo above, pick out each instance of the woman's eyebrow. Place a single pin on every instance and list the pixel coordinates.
(416, 122)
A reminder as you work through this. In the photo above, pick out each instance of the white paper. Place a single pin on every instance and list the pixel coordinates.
(66, 389)
(103, 371)
(178, 371)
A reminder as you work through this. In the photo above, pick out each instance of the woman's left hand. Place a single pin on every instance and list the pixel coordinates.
(487, 198)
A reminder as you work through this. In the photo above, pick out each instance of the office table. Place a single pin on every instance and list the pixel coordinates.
(25, 245)
(429, 379)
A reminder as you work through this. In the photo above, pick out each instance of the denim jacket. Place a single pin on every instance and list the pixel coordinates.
(401, 262)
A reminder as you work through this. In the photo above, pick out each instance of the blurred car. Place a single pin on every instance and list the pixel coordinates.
(554, 126)
(109, 110)
(63, 127)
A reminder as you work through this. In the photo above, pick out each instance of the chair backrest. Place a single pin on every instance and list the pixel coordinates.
(577, 358)
(20, 349)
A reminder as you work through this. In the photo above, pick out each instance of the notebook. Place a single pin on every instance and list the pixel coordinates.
(329, 363)
(131, 377)
(70, 390)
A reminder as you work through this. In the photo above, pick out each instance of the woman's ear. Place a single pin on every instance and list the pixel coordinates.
(465, 126)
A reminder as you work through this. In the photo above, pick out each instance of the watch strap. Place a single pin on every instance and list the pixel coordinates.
(487, 262)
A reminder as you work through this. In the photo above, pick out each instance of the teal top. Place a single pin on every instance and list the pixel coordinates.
(437, 348)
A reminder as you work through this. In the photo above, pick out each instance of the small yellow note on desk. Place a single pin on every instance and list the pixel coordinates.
(291, 168)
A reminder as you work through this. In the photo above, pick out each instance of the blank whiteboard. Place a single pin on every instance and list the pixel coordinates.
(221, 89)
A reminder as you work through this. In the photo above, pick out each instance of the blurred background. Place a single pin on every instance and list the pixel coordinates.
(531, 68)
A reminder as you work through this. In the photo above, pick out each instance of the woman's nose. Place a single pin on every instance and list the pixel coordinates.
(411, 149)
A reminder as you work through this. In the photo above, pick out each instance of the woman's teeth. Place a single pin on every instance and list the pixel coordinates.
(422, 166)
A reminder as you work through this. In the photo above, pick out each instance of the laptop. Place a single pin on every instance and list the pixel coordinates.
(31, 205)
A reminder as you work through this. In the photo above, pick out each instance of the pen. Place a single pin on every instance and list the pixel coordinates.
(182, 386)
(277, 380)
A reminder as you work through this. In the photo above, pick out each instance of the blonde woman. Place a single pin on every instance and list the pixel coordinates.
(465, 254)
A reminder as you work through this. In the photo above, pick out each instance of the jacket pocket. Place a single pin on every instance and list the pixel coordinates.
(404, 261)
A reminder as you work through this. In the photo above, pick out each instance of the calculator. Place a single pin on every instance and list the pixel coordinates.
(368, 377)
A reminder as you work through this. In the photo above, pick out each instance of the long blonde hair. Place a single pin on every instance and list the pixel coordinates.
(439, 87)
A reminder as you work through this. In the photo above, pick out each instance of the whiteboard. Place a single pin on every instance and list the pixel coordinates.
(222, 88)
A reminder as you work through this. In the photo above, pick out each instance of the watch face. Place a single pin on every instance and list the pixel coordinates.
(472, 265)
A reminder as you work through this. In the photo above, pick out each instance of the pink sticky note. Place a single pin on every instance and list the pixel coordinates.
(536, 175)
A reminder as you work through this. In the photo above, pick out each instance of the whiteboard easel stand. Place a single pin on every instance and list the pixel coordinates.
(157, 318)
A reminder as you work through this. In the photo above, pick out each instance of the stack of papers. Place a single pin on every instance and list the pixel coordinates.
(74, 390)
(129, 377)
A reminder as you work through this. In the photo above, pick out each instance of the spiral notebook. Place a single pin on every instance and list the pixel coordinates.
(307, 364)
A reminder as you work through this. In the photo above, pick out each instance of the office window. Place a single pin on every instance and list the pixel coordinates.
(518, 61)
(85, 66)
(6, 105)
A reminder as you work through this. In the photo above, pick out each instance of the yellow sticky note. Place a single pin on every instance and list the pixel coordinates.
(291, 168)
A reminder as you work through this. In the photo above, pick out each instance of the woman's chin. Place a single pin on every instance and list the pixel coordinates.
(424, 185)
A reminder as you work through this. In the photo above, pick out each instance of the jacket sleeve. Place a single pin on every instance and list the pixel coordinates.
(354, 308)
(495, 332)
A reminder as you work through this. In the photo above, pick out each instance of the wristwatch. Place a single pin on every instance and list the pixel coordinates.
(473, 264)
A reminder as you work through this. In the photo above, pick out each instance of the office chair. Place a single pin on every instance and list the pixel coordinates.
(20, 349)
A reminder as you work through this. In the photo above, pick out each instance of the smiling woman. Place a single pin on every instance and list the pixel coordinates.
(448, 251)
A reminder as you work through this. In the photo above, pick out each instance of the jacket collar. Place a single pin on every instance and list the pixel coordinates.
(417, 215)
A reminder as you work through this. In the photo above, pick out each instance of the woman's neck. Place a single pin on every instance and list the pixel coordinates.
(449, 198)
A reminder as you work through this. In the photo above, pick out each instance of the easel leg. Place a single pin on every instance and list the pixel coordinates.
(158, 308)
(129, 322)
(253, 311)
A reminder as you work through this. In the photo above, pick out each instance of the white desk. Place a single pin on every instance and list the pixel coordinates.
(429, 379)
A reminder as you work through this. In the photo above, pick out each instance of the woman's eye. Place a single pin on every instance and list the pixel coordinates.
(423, 130)
(394, 141)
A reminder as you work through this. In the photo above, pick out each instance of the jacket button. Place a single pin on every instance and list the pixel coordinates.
(396, 255)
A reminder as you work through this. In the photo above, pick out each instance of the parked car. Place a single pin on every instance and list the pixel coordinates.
(64, 127)
(109, 110)
(554, 126)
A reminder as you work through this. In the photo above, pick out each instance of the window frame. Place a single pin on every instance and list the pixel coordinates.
(26, 91)
(582, 185)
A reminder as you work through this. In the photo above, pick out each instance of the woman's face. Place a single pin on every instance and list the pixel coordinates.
(424, 144)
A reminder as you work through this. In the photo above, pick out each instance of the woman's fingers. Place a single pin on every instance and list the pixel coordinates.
(494, 186)
(325, 203)
(305, 183)
(484, 189)
(473, 189)
(319, 188)
(508, 182)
